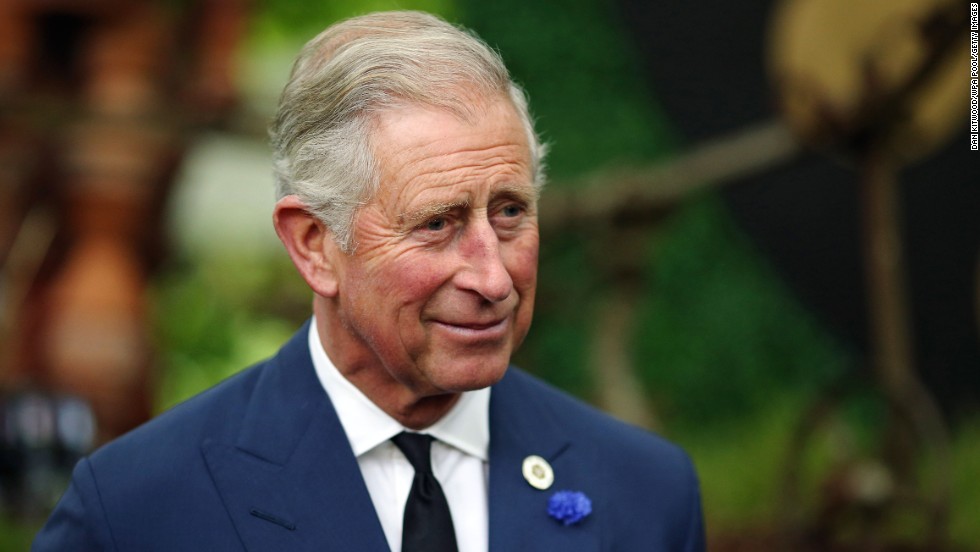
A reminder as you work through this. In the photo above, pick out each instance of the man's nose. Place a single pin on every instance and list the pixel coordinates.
(484, 271)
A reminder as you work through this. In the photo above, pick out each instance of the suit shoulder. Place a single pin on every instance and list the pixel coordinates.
(215, 412)
(594, 425)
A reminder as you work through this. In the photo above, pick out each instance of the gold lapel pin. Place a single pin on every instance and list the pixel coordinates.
(538, 472)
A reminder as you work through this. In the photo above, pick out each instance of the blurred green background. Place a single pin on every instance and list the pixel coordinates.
(727, 358)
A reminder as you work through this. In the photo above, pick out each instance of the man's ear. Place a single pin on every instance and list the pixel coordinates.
(310, 244)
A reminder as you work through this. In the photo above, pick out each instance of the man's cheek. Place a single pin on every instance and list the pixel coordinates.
(416, 280)
(524, 266)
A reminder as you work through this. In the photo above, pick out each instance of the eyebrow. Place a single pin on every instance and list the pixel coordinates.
(415, 217)
(525, 194)
(411, 219)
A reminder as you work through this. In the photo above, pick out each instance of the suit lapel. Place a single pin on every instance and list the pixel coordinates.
(521, 426)
(290, 481)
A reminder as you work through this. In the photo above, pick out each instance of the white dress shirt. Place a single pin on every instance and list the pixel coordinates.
(459, 454)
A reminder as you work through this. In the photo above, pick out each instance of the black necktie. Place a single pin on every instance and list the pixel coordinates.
(428, 525)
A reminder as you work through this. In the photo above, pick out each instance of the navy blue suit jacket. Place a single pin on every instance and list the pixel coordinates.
(261, 463)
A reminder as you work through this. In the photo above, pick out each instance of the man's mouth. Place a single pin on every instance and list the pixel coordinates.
(475, 329)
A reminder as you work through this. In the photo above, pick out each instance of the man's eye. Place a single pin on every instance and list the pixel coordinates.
(435, 224)
(512, 210)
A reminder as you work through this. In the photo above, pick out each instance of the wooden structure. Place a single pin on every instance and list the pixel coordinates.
(97, 99)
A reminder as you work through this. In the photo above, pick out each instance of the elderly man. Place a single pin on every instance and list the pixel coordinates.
(408, 175)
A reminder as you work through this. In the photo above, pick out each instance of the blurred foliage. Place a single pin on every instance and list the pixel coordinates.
(557, 345)
(218, 316)
(966, 485)
(719, 334)
(739, 465)
(16, 536)
(583, 79)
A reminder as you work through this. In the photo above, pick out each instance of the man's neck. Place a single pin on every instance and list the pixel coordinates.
(411, 409)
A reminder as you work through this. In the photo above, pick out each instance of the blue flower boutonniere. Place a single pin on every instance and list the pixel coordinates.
(569, 507)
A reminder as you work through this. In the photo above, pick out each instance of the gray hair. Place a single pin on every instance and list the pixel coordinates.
(358, 68)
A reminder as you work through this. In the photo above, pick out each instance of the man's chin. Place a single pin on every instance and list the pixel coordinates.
(472, 374)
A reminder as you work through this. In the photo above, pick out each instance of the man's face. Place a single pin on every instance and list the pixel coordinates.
(440, 288)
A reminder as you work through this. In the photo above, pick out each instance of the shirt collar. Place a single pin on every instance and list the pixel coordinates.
(466, 426)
